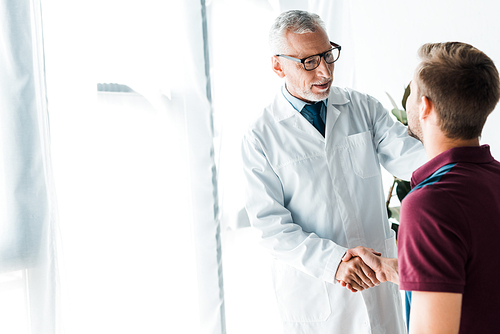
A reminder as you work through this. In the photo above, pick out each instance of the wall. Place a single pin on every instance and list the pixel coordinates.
(387, 34)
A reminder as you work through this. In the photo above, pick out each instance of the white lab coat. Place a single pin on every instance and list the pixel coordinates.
(312, 198)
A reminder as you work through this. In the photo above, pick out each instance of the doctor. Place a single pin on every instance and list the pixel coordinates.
(314, 187)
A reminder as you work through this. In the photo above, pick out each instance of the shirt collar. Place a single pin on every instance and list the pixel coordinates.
(473, 154)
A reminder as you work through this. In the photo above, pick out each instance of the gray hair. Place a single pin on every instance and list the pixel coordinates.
(295, 21)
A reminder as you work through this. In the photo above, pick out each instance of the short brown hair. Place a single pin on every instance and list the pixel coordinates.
(463, 84)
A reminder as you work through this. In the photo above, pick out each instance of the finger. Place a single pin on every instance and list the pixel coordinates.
(357, 285)
(363, 273)
(366, 273)
(347, 256)
(364, 281)
(349, 286)
(375, 252)
(363, 251)
(356, 279)
(370, 275)
(348, 272)
(358, 251)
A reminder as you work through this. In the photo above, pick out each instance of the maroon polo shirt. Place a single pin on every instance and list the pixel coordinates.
(449, 237)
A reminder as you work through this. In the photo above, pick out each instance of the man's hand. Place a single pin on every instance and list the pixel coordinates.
(355, 274)
(385, 268)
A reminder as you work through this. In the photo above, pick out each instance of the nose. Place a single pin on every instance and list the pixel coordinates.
(325, 70)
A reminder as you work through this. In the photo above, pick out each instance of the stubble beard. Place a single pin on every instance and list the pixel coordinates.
(414, 134)
(314, 97)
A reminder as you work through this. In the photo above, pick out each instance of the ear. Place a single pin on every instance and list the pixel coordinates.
(426, 107)
(277, 67)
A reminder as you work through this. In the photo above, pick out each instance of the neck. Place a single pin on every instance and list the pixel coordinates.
(436, 146)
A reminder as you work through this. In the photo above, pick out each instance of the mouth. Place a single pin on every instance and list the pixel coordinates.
(322, 86)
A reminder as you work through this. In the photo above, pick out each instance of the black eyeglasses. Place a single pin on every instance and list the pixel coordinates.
(312, 62)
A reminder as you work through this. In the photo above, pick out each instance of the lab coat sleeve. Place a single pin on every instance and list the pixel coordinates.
(283, 238)
(398, 153)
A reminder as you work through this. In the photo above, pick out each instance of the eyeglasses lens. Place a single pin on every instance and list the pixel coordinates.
(329, 56)
(312, 62)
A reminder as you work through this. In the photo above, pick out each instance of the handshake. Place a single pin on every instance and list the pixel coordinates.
(362, 268)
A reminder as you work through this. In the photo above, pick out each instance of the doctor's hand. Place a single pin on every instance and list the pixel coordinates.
(385, 268)
(356, 275)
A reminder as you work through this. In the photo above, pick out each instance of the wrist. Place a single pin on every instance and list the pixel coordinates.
(391, 270)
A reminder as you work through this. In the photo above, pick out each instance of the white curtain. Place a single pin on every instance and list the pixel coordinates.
(29, 286)
(134, 172)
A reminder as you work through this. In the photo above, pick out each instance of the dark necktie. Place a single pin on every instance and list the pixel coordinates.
(314, 110)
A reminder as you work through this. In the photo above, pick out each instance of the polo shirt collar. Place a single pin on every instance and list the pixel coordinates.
(473, 154)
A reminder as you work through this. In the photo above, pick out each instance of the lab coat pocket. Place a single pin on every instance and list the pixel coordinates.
(300, 297)
(363, 156)
(391, 249)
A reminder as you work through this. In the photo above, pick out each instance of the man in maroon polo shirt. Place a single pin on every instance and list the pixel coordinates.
(450, 221)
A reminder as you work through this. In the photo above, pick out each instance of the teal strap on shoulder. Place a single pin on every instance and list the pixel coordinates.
(434, 178)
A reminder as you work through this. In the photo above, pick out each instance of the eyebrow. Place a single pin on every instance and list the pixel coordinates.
(316, 54)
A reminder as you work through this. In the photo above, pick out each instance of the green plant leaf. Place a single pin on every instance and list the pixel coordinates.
(392, 101)
(400, 115)
(395, 212)
(402, 189)
(395, 227)
(405, 96)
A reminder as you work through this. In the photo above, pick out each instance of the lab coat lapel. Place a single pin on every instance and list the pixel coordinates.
(303, 124)
(332, 115)
(335, 99)
(284, 112)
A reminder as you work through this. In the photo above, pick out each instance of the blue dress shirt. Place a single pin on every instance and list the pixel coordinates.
(299, 105)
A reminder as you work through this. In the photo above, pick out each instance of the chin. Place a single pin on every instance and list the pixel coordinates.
(314, 97)
(413, 134)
